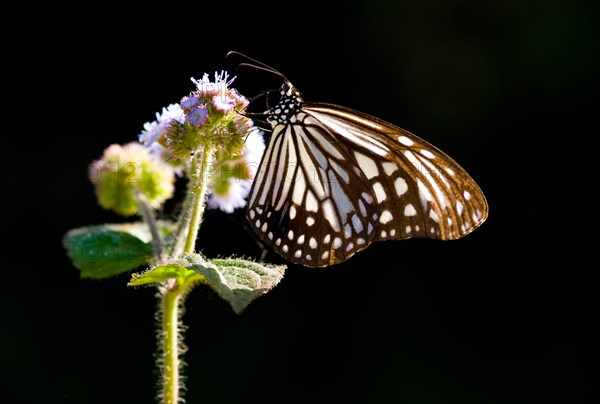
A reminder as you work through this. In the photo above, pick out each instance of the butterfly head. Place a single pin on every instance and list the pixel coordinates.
(286, 109)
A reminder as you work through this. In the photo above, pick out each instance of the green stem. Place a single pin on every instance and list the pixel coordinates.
(148, 215)
(200, 187)
(183, 222)
(172, 301)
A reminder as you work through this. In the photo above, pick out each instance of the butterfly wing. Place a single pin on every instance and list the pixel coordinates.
(332, 180)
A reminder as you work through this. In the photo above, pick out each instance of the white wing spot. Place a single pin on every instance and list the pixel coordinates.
(347, 230)
(308, 257)
(310, 221)
(407, 229)
(370, 228)
(361, 206)
(478, 213)
(389, 167)
(325, 255)
(337, 243)
(475, 218)
(433, 215)
(427, 154)
(259, 210)
(360, 241)
(450, 171)
(405, 141)
(269, 213)
(264, 227)
(400, 185)
(270, 235)
(383, 234)
(367, 165)
(357, 224)
(291, 234)
(285, 248)
(312, 243)
(424, 193)
(386, 216)
(298, 253)
(379, 192)
(327, 239)
(392, 232)
(417, 228)
(329, 214)
(251, 213)
(410, 210)
(292, 212)
(278, 242)
(349, 247)
(299, 188)
(467, 195)
(368, 198)
(311, 202)
(433, 229)
(300, 239)
(449, 221)
(459, 207)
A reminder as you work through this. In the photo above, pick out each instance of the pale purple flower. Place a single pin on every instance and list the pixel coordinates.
(153, 130)
(223, 98)
(238, 190)
(234, 198)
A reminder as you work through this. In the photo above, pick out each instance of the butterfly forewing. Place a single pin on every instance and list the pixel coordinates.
(421, 191)
(332, 180)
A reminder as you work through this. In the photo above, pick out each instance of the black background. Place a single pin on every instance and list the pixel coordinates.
(503, 315)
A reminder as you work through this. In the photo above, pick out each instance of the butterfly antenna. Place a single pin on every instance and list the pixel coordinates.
(257, 64)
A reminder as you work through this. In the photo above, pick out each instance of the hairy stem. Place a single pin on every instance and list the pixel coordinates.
(171, 303)
(200, 178)
(183, 222)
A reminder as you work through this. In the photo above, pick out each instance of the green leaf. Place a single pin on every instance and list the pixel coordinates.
(238, 281)
(108, 250)
(163, 273)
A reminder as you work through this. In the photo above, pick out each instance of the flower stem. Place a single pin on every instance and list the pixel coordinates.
(148, 215)
(183, 223)
(170, 306)
(201, 177)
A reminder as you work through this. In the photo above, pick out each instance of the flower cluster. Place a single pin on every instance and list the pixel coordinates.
(126, 174)
(210, 117)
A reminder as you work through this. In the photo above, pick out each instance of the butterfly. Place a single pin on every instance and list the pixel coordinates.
(333, 180)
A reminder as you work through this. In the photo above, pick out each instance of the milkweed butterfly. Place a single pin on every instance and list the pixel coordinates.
(333, 180)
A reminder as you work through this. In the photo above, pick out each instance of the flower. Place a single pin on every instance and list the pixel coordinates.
(153, 130)
(231, 188)
(229, 195)
(211, 118)
(126, 173)
(221, 96)
(153, 133)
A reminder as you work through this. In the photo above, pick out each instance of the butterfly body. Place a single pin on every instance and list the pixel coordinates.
(333, 180)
